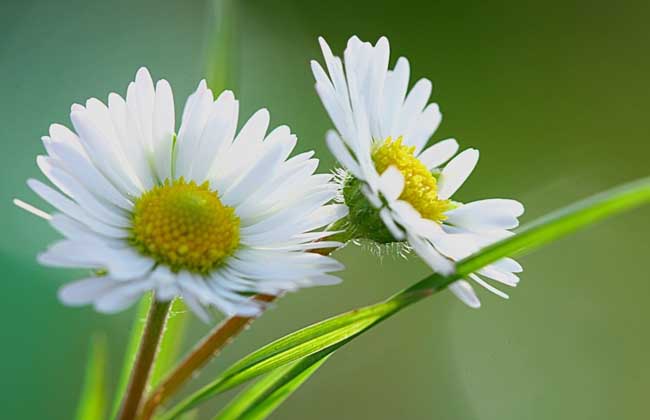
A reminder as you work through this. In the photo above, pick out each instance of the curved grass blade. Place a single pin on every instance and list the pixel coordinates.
(326, 335)
(262, 398)
(92, 403)
(131, 351)
(339, 330)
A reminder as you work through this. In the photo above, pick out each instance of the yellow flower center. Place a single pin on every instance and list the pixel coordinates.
(185, 226)
(420, 185)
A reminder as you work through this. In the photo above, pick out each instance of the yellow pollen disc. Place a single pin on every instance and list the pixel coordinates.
(184, 226)
(420, 186)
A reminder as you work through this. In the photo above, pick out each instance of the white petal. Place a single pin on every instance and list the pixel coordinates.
(72, 209)
(196, 307)
(62, 134)
(342, 154)
(423, 127)
(504, 277)
(395, 88)
(491, 214)
(105, 212)
(456, 172)
(142, 105)
(456, 246)
(465, 293)
(335, 101)
(248, 182)
(488, 286)
(508, 264)
(195, 115)
(163, 129)
(413, 105)
(323, 280)
(83, 292)
(128, 264)
(391, 183)
(335, 69)
(389, 222)
(217, 136)
(436, 261)
(72, 229)
(134, 174)
(31, 209)
(106, 154)
(122, 296)
(439, 153)
(83, 170)
(372, 196)
(254, 130)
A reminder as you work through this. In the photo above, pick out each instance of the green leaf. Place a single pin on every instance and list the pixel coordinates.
(260, 400)
(92, 404)
(328, 334)
(337, 331)
(131, 352)
(171, 343)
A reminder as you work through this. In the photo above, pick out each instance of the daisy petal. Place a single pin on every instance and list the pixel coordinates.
(491, 214)
(456, 172)
(465, 293)
(391, 183)
(439, 153)
(389, 222)
(84, 292)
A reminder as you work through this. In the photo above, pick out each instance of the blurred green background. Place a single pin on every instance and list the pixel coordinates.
(553, 93)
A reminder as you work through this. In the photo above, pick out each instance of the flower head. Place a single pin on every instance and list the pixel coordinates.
(398, 189)
(208, 214)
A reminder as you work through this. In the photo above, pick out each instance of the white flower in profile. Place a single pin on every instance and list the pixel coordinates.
(207, 214)
(396, 188)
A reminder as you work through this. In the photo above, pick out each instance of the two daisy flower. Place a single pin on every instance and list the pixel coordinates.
(214, 215)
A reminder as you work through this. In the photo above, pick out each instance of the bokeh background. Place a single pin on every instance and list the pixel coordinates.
(553, 93)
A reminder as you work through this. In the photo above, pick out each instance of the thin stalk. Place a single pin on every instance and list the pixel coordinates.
(146, 354)
(205, 350)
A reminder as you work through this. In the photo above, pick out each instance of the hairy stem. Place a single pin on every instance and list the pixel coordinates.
(209, 347)
(205, 350)
(144, 360)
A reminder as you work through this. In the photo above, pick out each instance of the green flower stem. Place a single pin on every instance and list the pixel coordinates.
(206, 349)
(149, 342)
(130, 353)
(209, 347)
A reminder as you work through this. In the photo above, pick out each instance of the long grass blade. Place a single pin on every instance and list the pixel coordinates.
(261, 399)
(335, 332)
(92, 403)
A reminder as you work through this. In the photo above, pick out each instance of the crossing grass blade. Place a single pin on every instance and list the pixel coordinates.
(329, 335)
(262, 398)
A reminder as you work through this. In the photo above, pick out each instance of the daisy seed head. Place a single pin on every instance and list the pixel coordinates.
(185, 226)
(420, 184)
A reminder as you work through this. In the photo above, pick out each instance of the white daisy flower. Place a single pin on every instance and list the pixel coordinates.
(395, 188)
(208, 214)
